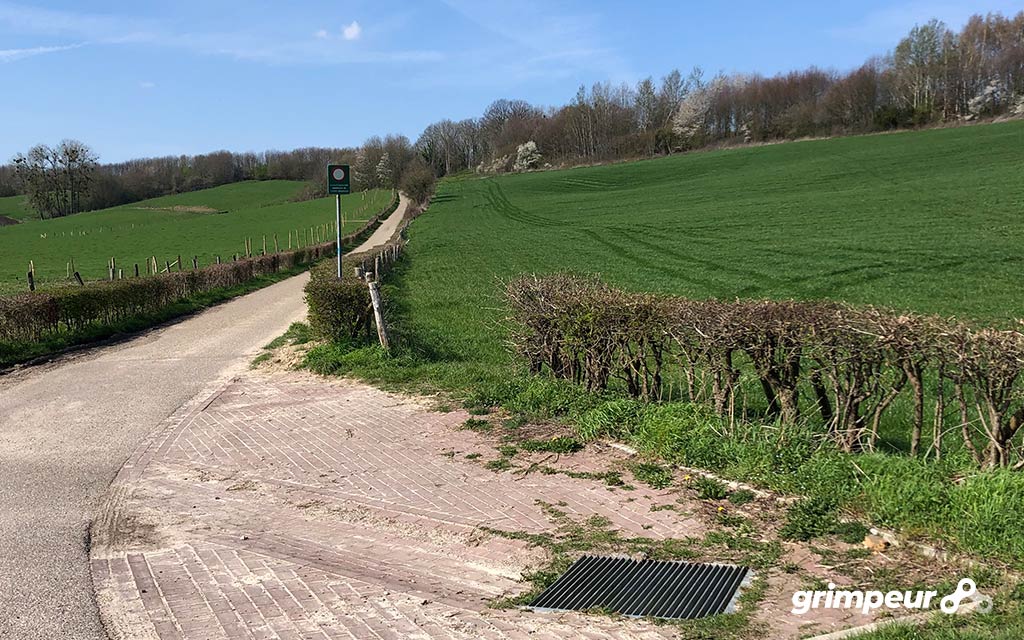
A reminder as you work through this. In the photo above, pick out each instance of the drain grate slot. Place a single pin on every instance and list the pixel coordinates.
(642, 588)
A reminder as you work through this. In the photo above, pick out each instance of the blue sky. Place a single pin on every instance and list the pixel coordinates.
(145, 78)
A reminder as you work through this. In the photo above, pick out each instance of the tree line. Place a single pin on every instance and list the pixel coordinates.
(934, 75)
(67, 178)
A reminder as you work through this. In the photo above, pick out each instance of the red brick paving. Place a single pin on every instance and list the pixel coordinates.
(283, 506)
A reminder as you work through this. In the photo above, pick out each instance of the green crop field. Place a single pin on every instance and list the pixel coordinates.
(202, 223)
(930, 221)
(15, 208)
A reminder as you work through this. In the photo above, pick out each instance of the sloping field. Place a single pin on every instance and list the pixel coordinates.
(201, 223)
(931, 221)
(15, 208)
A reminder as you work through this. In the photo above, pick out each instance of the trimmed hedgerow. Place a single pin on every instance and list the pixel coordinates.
(27, 319)
(339, 310)
(834, 365)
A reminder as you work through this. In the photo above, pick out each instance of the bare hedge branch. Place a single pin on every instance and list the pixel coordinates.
(846, 364)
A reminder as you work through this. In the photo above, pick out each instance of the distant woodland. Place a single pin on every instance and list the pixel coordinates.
(933, 76)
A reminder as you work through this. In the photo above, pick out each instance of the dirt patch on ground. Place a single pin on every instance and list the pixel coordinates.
(183, 209)
(6, 222)
(285, 358)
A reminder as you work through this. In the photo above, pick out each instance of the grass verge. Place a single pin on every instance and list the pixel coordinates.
(21, 352)
(950, 503)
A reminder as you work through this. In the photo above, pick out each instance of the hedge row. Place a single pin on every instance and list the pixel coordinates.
(842, 367)
(36, 316)
(340, 309)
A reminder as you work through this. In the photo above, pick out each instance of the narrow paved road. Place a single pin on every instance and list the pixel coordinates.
(66, 428)
(383, 233)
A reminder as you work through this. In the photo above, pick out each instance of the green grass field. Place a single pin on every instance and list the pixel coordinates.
(16, 208)
(201, 223)
(930, 221)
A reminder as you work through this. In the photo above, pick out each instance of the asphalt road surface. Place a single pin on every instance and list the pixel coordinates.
(66, 428)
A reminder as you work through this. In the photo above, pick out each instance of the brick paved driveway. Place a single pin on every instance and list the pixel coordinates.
(285, 506)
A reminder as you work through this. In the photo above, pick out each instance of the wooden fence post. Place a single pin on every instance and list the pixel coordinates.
(31, 281)
(180, 268)
(78, 277)
(378, 315)
(136, 269)
(276, 248)
(195, 262)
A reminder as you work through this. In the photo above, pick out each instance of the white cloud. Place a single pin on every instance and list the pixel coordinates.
(10, 55)
(321, 34)
(147, 85)
(352, 31)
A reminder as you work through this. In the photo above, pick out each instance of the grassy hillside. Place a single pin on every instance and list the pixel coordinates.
(931, 221)
(203, 223)
(928, 221)
(14, 207)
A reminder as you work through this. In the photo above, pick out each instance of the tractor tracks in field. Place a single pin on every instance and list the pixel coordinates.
(497, 199)
(640, 246)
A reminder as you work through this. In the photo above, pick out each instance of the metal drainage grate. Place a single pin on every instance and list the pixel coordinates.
(675, 590)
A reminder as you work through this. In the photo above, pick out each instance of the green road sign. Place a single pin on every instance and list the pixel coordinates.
(338, 182)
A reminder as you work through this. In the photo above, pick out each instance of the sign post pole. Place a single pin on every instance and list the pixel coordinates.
(337, 229)
(338, 184)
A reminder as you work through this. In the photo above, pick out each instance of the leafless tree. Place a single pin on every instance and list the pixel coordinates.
(56, 179)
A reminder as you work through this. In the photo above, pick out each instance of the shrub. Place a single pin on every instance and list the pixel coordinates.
(810, 518)
(339, 310)
(710, 489)
(652, 474)
(851, 532)
(418, 182)
(741, 496)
